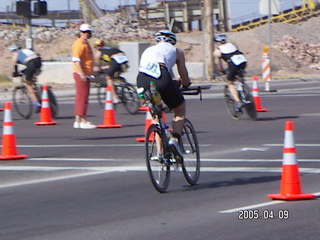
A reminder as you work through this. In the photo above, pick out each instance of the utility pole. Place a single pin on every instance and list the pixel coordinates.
(208, 41)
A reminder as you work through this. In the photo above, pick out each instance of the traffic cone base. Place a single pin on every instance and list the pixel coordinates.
(13, 157)
(110, 126)
(290, 187)
(301, 196)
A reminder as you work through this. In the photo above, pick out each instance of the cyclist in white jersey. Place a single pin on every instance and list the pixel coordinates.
(228, 52)
(155, 65)
(33, 64)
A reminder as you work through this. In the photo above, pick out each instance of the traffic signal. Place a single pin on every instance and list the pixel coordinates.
(23, 8)
(40, 8)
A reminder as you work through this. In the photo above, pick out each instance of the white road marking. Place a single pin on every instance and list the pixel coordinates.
(255, 149)
(139, 159)
(143, 168)
(259, 205)
(254, 206)
(93, 145)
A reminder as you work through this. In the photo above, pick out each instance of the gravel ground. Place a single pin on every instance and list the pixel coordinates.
(250, 42)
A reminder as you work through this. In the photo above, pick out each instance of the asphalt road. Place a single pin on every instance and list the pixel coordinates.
(92, 184)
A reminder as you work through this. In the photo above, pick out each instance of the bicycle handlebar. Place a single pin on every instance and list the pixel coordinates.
(195, 90)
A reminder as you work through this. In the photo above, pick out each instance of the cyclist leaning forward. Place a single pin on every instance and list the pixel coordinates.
(236, 61)
(155, 65)
(117, 63)
(33, 64)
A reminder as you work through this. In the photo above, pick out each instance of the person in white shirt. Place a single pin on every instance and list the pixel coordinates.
(229, 53)
(33, 64)
(155, 65)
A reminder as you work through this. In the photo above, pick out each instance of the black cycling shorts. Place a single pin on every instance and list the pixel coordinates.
(115, 67)
(169, 91)
(32, 67)
(234, 70)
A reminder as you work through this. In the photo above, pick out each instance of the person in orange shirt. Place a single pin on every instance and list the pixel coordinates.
(82, 61)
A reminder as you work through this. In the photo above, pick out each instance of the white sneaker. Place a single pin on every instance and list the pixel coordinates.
(87, 125)
(176, 147)
(76, 125)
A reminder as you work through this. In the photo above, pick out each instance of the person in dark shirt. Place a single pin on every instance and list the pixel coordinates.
(116, 60)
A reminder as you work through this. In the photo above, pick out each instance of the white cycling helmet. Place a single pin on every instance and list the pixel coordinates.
(14, 47)
(166, 36)
(220, 37)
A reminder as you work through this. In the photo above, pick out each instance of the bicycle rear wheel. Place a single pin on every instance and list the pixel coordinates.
(249, 103)
(191, 153)
(101, 95)
(230, 104)
(54, 107)
(130, 98)
(22, 102)
(158, 167)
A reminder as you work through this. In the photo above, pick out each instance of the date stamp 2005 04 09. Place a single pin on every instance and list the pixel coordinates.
(253, 214)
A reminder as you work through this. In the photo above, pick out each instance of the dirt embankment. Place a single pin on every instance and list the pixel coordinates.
(295, 47)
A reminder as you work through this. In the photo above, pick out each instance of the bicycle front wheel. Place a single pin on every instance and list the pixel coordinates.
(22, 102)
(130, 98)
(230, 104)
(158, 167)
(249, 103)
(191, 153)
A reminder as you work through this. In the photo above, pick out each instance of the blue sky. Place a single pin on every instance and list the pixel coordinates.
(240, 9)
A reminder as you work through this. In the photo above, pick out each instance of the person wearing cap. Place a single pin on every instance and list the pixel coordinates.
(230, 54)
(33, 64)
(82, 61)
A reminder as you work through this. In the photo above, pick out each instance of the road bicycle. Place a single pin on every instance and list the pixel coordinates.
(23, 103)
(244, 93)
(125, 91)
(160, 157)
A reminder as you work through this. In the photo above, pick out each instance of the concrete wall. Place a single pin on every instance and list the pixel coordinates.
(133, 51)
(56, 72)
(61, 72)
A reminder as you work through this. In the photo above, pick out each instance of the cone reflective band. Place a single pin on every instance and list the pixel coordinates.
(45, 114)
(290, 188)
(109, 118)
(255, 95)
(9, 148)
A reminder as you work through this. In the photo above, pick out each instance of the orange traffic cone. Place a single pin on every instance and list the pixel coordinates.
(9, 148)
(109, 119)
(290, 188)
(148, 122)
(45, 114)
(255, 94)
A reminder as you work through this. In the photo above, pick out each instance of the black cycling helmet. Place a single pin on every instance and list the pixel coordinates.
(166, 36)
(220, 37)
